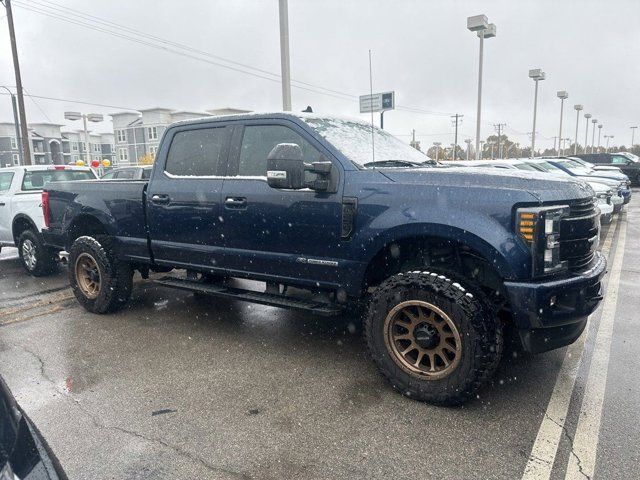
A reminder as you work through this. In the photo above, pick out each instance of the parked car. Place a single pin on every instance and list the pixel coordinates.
(593, 167)
(627, 162)
(24, 453)
(620, 183)
(603, 194)
(128, 173)
(21, 217)
(443, 261)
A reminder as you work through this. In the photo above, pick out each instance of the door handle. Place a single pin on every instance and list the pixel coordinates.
(235, 202)
(160, 199)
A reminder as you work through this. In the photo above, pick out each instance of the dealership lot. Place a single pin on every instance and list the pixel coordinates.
(176, 386)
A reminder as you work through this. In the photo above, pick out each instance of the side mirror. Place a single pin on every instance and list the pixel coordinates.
(285, 167)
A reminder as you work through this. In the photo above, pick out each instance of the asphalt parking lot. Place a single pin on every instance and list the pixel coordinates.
(176, 387)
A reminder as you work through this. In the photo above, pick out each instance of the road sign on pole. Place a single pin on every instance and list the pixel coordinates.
(378, 102)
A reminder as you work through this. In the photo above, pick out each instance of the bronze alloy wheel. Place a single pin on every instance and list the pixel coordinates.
(422, 339)
(88, 275)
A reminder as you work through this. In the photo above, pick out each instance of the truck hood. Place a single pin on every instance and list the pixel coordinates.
(540, 186)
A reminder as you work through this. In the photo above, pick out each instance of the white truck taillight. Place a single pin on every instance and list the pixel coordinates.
(46, 211)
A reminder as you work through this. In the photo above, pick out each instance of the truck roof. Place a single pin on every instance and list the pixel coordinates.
(267, 115)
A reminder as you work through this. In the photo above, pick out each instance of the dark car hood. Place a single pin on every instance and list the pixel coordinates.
(540, 186)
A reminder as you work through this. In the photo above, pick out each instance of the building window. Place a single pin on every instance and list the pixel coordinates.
(14, 143)
(152, 133)
(74, 146)
(96, 147)
(121, 135)
(122, 154)
(153, 150)
(76, 158)
(16, 159)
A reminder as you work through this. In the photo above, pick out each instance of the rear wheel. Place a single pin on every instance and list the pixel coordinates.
(100, 281)
(36, 258)
(432, 338)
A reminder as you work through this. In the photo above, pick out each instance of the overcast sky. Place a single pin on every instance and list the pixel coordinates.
(421, 49)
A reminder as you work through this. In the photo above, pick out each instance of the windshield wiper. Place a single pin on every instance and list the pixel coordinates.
(392, 163)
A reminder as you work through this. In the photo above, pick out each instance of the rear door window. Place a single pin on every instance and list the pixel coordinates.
(619, 160)
(125, 174)
(197, 153)
(5, 181)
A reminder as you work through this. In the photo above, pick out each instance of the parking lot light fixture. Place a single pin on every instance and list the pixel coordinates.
(599, 133)
(633, 134)
(562, 95)
(536, 75)
(480, 24)
(593, 134)
(577, 108)
(92, 117)
(586, 132)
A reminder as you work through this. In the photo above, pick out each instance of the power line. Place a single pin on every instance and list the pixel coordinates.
(57, 11)
(80, 102)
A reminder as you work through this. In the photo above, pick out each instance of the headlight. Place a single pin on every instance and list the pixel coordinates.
(539, 227)
(604, 197)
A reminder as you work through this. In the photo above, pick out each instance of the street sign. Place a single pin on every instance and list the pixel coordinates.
(378, 102)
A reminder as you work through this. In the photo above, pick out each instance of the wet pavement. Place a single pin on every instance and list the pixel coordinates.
(180, 387)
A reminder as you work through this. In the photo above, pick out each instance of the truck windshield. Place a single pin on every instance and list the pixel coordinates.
(36, 179)
(355, 140)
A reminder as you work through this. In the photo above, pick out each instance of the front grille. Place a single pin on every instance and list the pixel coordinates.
(579, 235)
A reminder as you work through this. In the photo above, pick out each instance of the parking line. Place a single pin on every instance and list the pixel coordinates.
(545, 447)
(582, 461)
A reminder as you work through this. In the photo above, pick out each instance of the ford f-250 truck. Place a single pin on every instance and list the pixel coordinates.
(444, 262)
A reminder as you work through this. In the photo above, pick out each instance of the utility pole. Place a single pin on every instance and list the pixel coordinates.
(26, 148)
(457, 118)
(16, 122)
(554, 142)
(499, 127)
(284, 55)
(437, 145)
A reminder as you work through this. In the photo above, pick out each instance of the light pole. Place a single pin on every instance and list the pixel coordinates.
(536, 74)
(92, 117)
(586, 131)
(577, 108)
(17, 124)
(593, 133)
(468, 142)
(437, 145)
(285, 65)
(599, 133)
(633, 133)
(492, 143)
(564, 147)
(482, 142)
(562, 95)
(608, 137)
(480, 24)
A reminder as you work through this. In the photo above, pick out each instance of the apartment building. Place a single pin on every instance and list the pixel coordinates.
(52, 146)
(137, 133)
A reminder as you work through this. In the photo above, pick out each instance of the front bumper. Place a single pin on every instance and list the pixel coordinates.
(551, 314)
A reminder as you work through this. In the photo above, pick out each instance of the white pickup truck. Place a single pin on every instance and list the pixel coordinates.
(21, 218)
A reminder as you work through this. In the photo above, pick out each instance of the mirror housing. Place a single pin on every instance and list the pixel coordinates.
(286, 169)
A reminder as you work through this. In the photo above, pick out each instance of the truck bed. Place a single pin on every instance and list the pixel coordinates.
(118, 204)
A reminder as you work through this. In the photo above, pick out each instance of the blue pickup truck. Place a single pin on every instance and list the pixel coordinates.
(331, 214)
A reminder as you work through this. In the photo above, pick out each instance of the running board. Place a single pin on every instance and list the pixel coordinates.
(272, 299)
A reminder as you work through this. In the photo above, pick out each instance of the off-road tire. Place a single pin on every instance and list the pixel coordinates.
(44, 257)
(116, 277)
(480, 333)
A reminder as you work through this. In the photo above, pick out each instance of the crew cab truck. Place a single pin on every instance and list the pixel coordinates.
(21, 217)
(443, 263)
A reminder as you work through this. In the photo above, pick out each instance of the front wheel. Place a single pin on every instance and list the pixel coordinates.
(100, 281)
(36, 258)
(432, 338)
